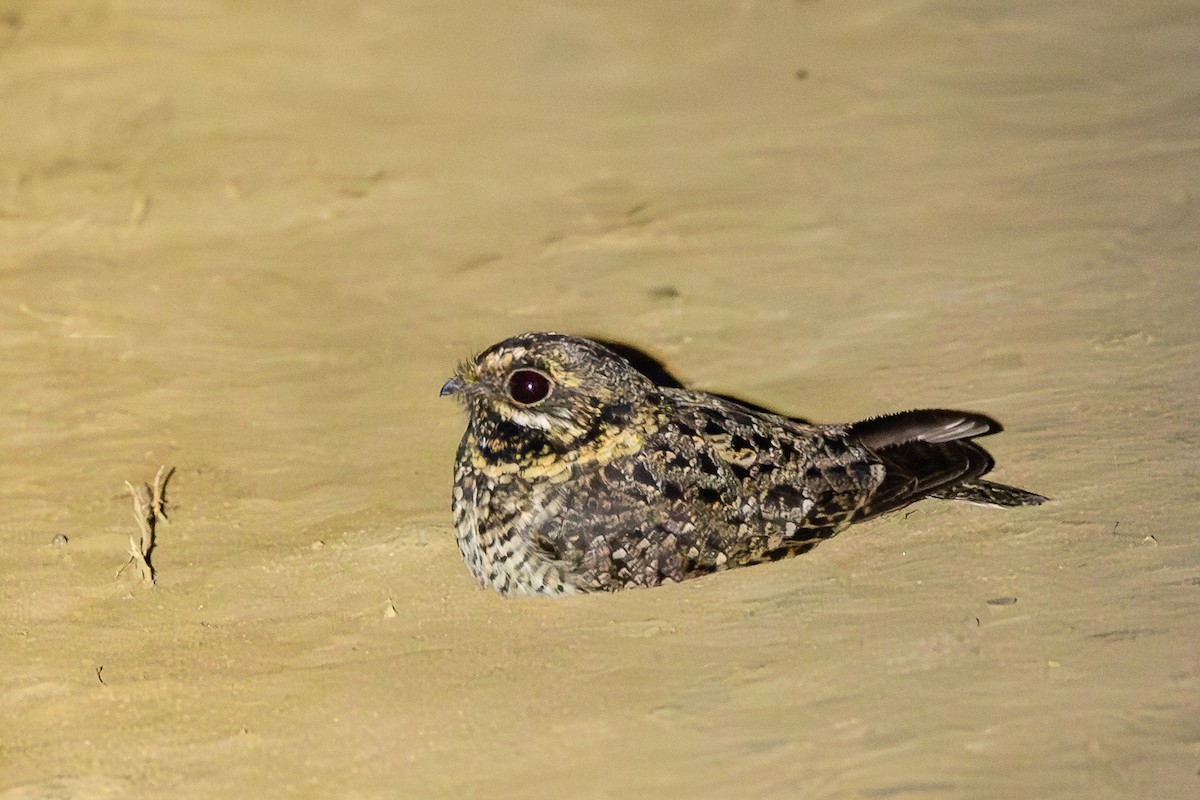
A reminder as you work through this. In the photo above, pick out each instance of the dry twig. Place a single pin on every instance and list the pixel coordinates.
(149, 507)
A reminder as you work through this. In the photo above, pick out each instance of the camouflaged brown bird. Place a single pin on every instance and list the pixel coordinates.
(578, 474)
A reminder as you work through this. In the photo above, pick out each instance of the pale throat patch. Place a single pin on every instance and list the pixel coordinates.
(531, 419)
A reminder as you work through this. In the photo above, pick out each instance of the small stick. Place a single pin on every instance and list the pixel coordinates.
(149, 506)
(159, 503)
(140, 546)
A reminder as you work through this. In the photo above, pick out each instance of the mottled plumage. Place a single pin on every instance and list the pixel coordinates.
(578, 474)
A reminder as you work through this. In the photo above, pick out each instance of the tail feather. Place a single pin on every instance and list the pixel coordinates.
(930, 453)
(989, 493)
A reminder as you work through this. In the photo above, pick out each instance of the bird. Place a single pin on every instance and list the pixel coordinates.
(578, 473)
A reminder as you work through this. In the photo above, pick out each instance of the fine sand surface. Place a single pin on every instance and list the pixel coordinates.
(250, 240)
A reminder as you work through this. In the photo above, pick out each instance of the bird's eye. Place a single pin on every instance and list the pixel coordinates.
(528, 387)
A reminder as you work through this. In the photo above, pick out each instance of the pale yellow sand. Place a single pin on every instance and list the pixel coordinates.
(250, 240)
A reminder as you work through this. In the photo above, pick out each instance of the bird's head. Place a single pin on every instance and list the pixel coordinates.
(546, 395)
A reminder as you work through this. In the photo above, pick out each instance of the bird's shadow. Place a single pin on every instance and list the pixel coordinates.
(654, 369)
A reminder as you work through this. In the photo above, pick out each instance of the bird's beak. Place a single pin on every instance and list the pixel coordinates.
(452, 386)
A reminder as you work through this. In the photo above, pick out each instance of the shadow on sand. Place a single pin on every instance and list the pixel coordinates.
(654, 369)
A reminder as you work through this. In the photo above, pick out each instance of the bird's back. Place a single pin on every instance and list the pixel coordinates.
(712, 485)
(715, 484)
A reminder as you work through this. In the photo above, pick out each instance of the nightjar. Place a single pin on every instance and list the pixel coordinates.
(577, 473)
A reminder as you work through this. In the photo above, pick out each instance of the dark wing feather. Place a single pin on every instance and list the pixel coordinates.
(933, 425)
(924, 453)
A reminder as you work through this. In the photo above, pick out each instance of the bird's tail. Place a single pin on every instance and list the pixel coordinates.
(989, 493)
(930, 453)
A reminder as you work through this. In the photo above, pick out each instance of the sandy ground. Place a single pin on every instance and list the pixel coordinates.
(250, 240)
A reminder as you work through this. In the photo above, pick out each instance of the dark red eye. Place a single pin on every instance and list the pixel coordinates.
(528, 387)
